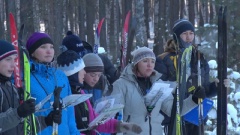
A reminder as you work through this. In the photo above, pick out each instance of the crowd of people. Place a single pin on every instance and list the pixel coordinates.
(80, 71)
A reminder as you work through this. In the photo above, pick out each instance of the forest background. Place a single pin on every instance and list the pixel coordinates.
(56, 17)
(152, 21)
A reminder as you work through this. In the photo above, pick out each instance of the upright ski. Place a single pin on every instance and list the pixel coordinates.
(14, 39)
(222, 72)
(22, 74)
(123, 61)
(97, 36)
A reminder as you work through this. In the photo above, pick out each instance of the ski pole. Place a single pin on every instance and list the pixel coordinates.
(200, 110)
(56, 107)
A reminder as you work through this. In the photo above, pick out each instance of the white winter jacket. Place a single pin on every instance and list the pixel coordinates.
(134, 107)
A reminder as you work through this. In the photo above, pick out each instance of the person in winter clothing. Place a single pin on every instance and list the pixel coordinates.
(133, 85)
(166, 62)
(74, 67)
(12, 113)
(45, 78)
(181, 50)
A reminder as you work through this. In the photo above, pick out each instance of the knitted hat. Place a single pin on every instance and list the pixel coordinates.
(181, 26)
(73, 42)
(6, 49)
(70, 62)
(93, 63)
(36, 40)
(142, 53)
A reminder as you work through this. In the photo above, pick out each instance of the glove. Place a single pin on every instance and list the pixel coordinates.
(53, 116)
(227, 83)
(199, 93)
(26, 108)
(128, 127)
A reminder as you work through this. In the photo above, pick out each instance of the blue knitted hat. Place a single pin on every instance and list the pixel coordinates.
(181, 26)
(73, 42)
(6, 49)
(70, 62)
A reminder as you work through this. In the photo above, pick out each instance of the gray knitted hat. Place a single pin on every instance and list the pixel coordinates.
(142, 53)
(93, 63)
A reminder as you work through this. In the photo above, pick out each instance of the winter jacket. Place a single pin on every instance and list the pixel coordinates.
(10, 122)
(97, 92)
(44, 79)
(87, 109)
(135, 110)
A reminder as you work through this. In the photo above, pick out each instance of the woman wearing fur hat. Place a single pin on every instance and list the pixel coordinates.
(74, 67)
(12, 112)
(133, 85)
(45, 78)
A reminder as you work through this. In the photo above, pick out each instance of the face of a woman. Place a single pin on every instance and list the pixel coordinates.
(145, 67)
(81, 75)
(92, 78)
(187, 36)
(44, 53)
(7, 65)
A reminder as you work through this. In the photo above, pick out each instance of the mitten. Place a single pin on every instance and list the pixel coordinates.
(199, 93)
(26, 108)
(128, 127)
(53, 116)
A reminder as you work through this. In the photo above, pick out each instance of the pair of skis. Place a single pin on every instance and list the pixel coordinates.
(22, 74)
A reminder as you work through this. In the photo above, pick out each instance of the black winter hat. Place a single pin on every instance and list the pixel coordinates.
(73, 42)
(70, 62)
(6, 49)
(181, 26)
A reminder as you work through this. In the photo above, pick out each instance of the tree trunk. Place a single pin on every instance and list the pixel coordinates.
(116, 21)
(141, 36)
(90, 8)
(191, 11)
(82, 19)
(27, 17)
(146, 14)
(2, 19)
(174, 14)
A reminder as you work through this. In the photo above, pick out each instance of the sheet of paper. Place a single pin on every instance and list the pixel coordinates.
(105, 104)
(160, 90)
(106, 115)
(75, 99)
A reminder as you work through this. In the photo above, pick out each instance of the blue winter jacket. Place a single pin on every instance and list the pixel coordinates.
(44, 79)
